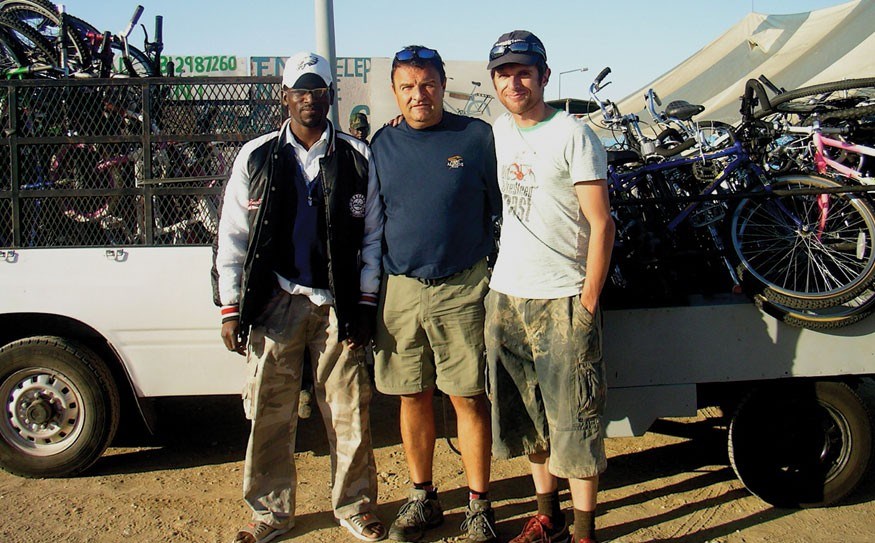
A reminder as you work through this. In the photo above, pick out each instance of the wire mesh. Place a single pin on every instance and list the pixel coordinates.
(93, 163)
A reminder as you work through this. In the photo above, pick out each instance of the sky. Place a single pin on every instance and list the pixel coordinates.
(638, 39)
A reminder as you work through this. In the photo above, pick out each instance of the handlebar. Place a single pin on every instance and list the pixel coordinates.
(602, 74)
(772, 87)
(138, 11)
(651, 97)
(159, 29)
(754, 94)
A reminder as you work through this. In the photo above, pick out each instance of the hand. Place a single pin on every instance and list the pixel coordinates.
(230, 336)
(362, 328)
(395, 122)
(589, 303)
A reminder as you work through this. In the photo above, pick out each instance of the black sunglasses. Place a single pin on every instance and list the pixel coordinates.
(517, 47)
(423, 53)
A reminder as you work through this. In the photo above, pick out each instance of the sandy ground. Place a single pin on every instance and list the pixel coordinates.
(671, 485)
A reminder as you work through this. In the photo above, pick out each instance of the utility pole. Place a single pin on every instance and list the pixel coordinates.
(324, 10)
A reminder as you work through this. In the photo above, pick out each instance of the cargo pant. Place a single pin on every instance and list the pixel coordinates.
(547, 382)
(270, 399)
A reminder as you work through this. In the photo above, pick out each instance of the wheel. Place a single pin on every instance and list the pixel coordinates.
(825, 97)
(32, 47)
(61, 407)
(43, 16)
(828, 318)
(806, 251)
(803, 444)
(139, 61)
(715, 135)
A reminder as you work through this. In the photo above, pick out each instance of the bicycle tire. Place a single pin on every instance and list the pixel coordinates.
(821, 319)
(848, 114)
(142, 64)
(823, 261)
(11, 52)
(43, 16)
(789, 102)
(34, 47)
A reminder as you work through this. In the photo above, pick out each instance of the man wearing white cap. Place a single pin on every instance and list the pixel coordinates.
(297, 269)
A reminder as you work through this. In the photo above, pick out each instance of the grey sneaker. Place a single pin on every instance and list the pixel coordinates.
(480, 522)
(418, 514)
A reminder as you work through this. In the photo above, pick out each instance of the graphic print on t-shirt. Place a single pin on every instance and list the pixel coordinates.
(517, 180)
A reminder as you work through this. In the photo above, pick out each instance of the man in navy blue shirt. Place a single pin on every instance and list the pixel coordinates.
(438, 184)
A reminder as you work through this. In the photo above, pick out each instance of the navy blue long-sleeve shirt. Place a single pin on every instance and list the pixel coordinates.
(440, 195)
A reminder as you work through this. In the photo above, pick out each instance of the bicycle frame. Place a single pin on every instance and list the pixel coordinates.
(823, 162)
(626, 181)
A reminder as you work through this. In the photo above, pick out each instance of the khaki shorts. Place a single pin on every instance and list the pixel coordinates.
(432, 334)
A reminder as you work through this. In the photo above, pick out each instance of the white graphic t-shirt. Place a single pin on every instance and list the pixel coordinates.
(544, 234)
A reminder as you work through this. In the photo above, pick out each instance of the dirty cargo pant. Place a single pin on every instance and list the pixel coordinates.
(270, 399)
(546, 382)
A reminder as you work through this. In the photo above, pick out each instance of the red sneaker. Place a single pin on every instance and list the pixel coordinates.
(540, 529)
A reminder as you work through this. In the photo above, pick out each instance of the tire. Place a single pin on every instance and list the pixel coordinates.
(828, 318)
(800, 255)
(139, 61)
(819, 98)
(43, 16)
(33, 46)
(11, 51)
(801, 444)
(61, 407)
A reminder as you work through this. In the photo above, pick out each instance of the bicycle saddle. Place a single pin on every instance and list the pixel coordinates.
(683, 110)
(623, 157)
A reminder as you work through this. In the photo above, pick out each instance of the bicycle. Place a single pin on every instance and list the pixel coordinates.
(679, 208)
(476, 103)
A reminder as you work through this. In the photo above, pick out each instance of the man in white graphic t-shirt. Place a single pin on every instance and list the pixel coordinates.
(543, 324)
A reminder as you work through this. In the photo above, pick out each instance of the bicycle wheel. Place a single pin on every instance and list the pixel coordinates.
(11, 51)
(32, 47)
(140, 62)
(806, 251)
(831, 96)
(43, 16)
(827, 318)
(715, 135)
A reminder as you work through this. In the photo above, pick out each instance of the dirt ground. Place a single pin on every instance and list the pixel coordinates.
(671, 485)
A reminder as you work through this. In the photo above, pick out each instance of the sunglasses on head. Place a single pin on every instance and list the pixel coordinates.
(517, 47)
(299, 94)
(423, 53)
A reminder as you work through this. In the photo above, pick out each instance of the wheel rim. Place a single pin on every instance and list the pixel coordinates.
(826, 257)
(815, 447)
(43, 411)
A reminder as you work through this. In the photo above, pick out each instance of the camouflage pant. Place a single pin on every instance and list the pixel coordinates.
(270, 398)
(547, 382)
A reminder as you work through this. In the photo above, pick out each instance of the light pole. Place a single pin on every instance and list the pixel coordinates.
(568, 72)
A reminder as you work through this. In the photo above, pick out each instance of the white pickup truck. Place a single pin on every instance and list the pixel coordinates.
(82, 329)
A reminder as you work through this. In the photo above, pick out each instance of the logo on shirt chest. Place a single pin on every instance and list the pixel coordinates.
(455, 162)
(357, 206)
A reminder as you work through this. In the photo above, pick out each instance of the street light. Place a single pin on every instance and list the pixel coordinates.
(568, 72)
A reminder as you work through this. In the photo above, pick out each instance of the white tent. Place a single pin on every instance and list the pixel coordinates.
(791, 50)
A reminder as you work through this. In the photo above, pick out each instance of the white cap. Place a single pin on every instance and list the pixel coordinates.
(306, 63)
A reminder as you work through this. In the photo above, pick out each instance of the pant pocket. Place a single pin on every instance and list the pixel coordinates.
(250, 385)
